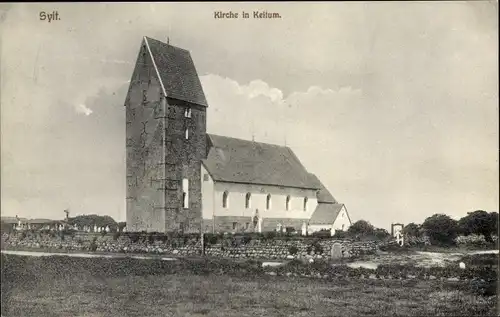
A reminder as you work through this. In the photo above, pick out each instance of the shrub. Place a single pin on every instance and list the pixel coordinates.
(246, 239)
(322, 234)
(442, 229)
(93, 245)
(318, 249)
(339, 234)
(134, 237)
(116, 235)
(211, 238)
(293, 250)
(269, 235)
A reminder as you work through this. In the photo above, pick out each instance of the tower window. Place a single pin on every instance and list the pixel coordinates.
(187, 134)
(205, 177)
(224, 199)
(185, 193)
(248, 198)
(187, 113)
(287, 204)
(305, 203)
(268, 202)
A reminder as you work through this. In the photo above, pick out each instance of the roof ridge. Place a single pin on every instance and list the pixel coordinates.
(250, 141)
(167, 44)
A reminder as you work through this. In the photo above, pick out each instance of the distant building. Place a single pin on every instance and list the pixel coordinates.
(179, 178)
(24, 223)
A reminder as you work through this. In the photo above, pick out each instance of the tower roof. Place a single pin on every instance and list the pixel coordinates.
(177, 72)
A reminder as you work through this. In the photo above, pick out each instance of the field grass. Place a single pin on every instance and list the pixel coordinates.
(64, 287)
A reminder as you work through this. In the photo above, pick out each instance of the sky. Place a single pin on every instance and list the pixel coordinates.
(394, 106)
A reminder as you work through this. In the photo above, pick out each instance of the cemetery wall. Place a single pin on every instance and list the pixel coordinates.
(226, 247)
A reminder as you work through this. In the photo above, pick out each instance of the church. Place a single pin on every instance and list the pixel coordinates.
(182, 179)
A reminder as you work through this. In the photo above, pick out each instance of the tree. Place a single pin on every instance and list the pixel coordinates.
(441, 229)
(480, 222)
(381, 234)
(91, 220)
(412, 229)
(361, 227)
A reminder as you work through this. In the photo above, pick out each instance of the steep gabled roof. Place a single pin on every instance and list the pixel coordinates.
(325, 214)
(177, 72)
(241, 161)
(324, 196)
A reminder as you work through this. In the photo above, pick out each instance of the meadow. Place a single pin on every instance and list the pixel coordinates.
(63, 286)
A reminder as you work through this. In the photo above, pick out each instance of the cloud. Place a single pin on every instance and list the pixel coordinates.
(356, 148)
(81, 108)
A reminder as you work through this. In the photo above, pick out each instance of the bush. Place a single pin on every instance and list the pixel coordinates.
(93, 245)
(441, 229)
(211, 238)
(322, 234)
(339, 234)
(116, 235)
(134, 237)
(246, 239)
(269, 235)
(316, 247)
(293, 250)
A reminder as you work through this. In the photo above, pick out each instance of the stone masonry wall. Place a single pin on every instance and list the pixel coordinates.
(145, 131)
(276, 248)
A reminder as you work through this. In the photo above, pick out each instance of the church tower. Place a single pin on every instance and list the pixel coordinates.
(165, 140)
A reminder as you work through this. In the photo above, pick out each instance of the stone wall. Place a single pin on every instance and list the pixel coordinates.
(231, 247)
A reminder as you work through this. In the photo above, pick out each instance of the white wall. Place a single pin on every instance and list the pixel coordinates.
(207, 194)
(342, 222)
(237, 196)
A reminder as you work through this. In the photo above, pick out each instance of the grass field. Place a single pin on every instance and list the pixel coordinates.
(114, 287)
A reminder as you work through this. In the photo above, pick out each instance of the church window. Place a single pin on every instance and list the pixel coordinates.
(248, 198)
(268, 202)
(305, 203)
(224, 199)
(185, 193)
(235, 225)
(205, 177)
(187, 134)
(187, 113)
(287, 202)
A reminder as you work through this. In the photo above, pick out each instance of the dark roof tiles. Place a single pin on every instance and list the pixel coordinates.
(242, 161)
(325, 214)
(177, 72)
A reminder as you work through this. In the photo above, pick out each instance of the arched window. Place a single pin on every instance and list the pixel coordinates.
(305, 203)
(248, 197)
(287, 204)
(224, 199)
(268, 202)
(187, 133)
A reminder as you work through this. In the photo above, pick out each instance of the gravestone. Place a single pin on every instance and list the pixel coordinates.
(336, 252)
